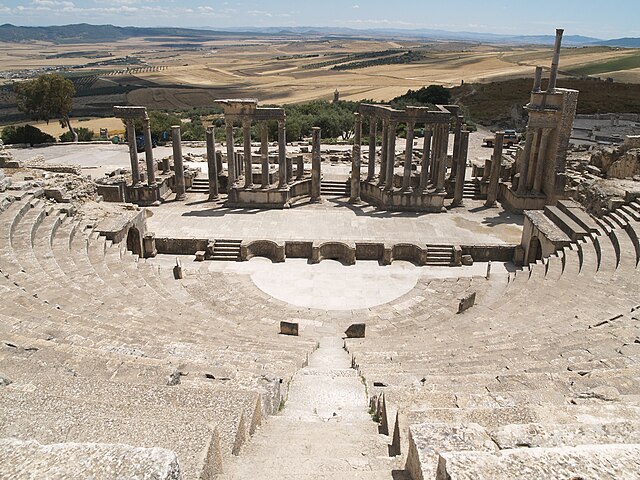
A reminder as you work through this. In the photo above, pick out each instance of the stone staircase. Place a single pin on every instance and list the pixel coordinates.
(226, 250)
(323, 431)
(335, 188)
(471, 189)
(440, 255)
(199, 185)
(109, 351)
(546, 366)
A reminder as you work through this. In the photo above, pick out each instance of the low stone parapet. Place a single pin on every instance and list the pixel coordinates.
(274, 251)
(341, 251)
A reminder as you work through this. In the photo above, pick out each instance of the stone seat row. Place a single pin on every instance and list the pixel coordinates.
(578, 344)
(75, 372)
(40, 288)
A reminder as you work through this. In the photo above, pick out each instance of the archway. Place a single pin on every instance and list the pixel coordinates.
(134, 241)
(535, 250)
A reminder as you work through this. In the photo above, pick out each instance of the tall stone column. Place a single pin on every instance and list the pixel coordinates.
(525, 160)
(166, 168)
(442, 168)
(231, 156)
(212, 165)
(456, 145)
(177, 163)
(461, 170)
(426, 154)
(248, 171)
(133, 153)
(148, 152)
(533, 159)
(383, 153)
(315, 165)
(542, 154)
(408, 159)
(537, 81)
(435, 153)
(371, 170)
(391, 154)
(282, 155)
(264, 153)
(356, 158)
(494, 176)
(299, 167)
(289, 170)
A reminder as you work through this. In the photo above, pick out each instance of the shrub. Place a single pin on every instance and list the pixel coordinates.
(25, 134)
(84, 135)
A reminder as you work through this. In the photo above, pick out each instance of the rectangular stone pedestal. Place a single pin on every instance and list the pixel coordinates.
(271, 197)
(397, 200)
(519, 203)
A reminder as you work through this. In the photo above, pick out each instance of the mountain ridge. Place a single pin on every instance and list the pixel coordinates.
(83, 32)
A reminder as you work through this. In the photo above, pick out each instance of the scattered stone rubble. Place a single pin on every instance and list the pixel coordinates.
(604, 178)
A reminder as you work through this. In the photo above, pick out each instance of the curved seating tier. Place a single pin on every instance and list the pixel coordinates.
(98, 347)
(560, 346)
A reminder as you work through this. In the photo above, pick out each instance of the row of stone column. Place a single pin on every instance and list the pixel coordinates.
(533, 159)
(433, 163)
(234, 174)
(133, 152)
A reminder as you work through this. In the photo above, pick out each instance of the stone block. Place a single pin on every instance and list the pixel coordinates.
(200, 254)
(558, 435)
(427, 441)
(356, 330)
(289, 328)
(466, 260)
(69, 461)
(178, 274)
(467, 302)
(589, 461)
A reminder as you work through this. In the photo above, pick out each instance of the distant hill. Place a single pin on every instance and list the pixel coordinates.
(84, 32)
(627, 42)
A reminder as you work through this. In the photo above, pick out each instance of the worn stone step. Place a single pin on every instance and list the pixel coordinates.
(590, 461)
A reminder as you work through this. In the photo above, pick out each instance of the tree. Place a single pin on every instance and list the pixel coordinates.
(84, 135)
(431, 95)
(47, 97)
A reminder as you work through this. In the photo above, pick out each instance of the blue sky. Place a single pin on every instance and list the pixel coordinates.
(601, 19)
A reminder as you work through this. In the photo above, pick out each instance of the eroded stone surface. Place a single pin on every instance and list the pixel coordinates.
(67, 461)
(543, 435)
(427, 440)
(604, 462)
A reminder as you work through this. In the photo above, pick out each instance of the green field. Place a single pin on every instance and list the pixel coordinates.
(595, 68)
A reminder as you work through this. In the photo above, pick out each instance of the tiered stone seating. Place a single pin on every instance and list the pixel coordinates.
(560, 347)
(98, 347)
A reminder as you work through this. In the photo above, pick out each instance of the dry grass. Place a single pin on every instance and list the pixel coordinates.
(273, 69)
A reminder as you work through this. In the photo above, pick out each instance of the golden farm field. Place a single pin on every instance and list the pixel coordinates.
(166, 73)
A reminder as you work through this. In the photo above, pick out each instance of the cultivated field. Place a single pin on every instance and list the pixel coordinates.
(170, 73)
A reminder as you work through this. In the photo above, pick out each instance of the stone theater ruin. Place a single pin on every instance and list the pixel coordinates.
(408, 313)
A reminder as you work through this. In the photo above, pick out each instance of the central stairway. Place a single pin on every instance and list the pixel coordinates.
(335, 188)
(200, 185)
(226, 250)
(471, 189)
(324, 430)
